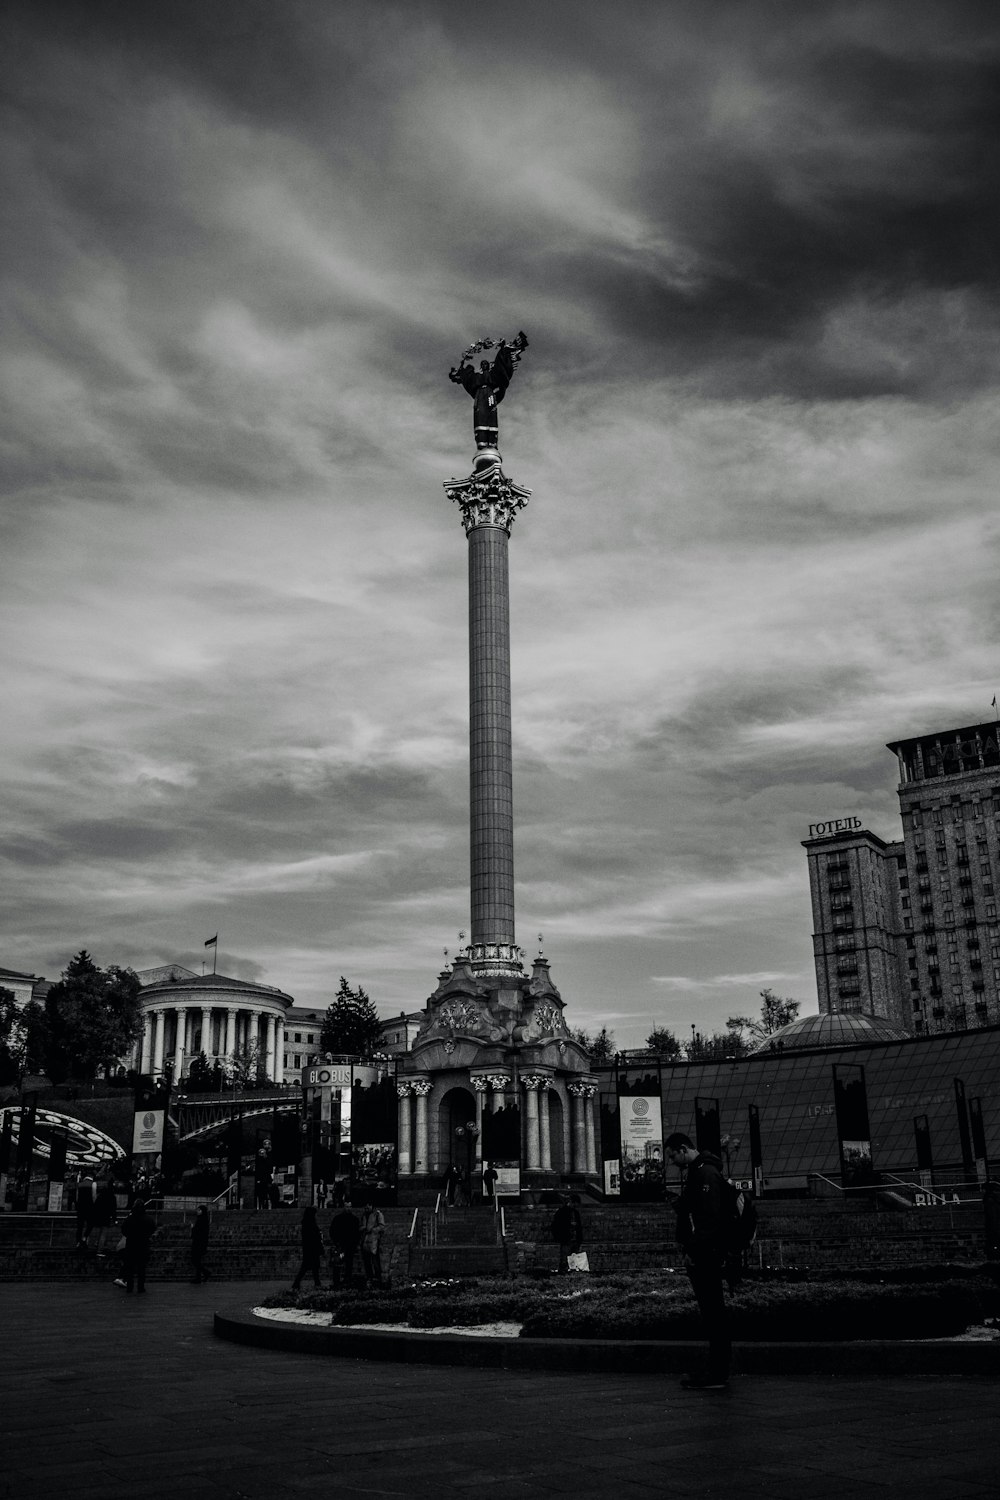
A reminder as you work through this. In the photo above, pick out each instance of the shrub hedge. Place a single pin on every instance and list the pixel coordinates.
(654, 1306)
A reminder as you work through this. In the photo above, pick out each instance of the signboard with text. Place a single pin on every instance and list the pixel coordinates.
(147, 1130)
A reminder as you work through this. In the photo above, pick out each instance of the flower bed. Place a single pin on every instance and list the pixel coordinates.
(661, 1306)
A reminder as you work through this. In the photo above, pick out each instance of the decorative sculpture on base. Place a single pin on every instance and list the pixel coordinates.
(488, 385)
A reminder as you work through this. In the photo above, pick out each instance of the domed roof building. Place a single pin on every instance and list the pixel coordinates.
(836, 1029)
(185, 1014)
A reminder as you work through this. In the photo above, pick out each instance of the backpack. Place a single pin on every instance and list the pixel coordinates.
(741, 1218)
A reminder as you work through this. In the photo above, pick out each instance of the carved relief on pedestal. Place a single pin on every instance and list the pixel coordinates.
(547, 1020)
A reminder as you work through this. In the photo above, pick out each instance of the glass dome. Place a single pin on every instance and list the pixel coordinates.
(840, 1029)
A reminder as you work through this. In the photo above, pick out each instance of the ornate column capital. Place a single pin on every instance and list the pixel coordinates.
(487, 497)
(480, 1084)
(421, 1087)
(499, 1081)
(533, 1081)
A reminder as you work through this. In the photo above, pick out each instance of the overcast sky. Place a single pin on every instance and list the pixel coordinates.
(755, 250)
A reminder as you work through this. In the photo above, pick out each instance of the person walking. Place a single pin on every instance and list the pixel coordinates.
(105, 1214)
(312, 1249)
(345, 1236)
(84, 1208)
(372, 1230)
(701, 1233)
(137, 1231)
(567, 1231)
(490, 1183)
(199, 1245)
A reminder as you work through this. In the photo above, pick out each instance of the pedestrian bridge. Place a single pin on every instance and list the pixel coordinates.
(198, 1115)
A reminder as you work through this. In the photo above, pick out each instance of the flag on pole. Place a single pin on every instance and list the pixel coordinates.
(213, 942)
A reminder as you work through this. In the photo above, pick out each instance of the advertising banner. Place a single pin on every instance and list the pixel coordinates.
(641, 1125)
(147, 1130)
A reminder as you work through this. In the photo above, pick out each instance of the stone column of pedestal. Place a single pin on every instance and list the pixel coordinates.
(421, 1089)
(579, 1129)
(589, 1098)
(480, 1087)
(146, 1052)
(405, 1136)
(498, 1083)
(270, 1049)
(180, 1042)
(158, 1019)
(533, 1138)
(230, 1033)
(545, 1137)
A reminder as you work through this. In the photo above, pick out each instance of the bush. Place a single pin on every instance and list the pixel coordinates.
(662, 1306)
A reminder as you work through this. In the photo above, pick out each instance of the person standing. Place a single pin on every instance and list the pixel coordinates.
(567, 1231)
(345, 1235)
(312, 1249)
(199, 1245)
(84, 1208)
(105, 1214)
(701, 1233)
(137, 1230)
(372, 1230)
(490, 1183)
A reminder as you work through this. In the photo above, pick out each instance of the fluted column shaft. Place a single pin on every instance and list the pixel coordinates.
(545, 1137)
(270, 1049)
(589, 1099)
(490, 754)
(146, 1052)
(180, 1042)
(579, 1131)
(421, 1089)
(279, 1051)
(230, 1032)
(405, 1133)
(159, 1020)
(533, 1139)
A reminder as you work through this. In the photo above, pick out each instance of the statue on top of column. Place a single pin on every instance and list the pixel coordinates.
(488, 385)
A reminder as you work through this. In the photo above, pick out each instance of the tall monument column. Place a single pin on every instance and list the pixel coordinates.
(489, 502)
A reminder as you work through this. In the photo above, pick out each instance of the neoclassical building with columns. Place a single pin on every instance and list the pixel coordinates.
(185, 1014)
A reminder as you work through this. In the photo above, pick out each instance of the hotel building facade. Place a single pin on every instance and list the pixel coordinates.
(907, 930)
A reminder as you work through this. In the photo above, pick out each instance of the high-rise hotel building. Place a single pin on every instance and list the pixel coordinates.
(908, 930)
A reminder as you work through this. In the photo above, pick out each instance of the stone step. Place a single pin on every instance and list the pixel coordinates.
(442, 1261)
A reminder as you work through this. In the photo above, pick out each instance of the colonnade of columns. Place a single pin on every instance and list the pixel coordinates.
(579, 1138)
(221, 1031)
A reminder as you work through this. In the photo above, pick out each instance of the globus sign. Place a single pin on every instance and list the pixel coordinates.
(338, 1076)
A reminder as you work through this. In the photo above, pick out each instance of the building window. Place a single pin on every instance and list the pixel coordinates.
(297, 1060)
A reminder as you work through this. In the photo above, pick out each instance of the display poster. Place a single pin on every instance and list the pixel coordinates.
(55, 1202)
(641, 1125)
(508, 1179)
(147, 1130)
(612, 1179)
(373, 1135)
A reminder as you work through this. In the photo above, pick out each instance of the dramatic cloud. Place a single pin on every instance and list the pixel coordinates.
(755, 251)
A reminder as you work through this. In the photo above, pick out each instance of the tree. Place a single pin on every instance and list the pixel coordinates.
(351, 1024)
(774, 1013)
(247, 1066)
(718, 1045)
(601, 1047)
(11, 1038)
(200, 1076)
(92, 1016)
(662, 1040)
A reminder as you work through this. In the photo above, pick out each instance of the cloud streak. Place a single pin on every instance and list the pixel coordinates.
(756, 258)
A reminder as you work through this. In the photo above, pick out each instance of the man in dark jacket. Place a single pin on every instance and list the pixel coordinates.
(199, 1245)
(138, 1230)
(567, 1231)
(345, 1236)
(701, 1233)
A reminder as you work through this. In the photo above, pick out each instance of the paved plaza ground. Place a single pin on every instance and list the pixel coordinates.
(108, 1395)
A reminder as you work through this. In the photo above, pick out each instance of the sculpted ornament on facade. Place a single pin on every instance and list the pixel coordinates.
(548, 1020)
(460, 1015)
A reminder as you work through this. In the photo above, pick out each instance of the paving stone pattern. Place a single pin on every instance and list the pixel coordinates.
(108, 1396)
